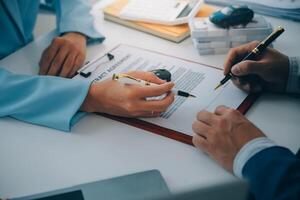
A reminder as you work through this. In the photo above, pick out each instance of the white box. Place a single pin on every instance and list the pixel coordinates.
(203, 29)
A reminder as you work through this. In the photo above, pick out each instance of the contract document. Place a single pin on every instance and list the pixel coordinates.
(197, 79)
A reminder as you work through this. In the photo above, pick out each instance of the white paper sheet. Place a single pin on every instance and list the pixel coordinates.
(195, 78)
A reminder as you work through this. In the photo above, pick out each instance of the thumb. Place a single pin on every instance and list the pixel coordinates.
(247, 67)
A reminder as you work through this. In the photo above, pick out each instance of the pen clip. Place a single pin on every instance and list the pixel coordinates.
(88, 64)
(127, 79)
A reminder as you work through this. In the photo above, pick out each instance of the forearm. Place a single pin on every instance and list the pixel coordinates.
(44, 100)
(293, 85)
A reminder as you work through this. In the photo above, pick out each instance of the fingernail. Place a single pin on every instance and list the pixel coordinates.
(236, 69)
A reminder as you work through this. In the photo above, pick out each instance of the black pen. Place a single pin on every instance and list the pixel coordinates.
(255, 52)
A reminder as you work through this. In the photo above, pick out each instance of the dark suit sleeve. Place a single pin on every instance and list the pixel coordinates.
(274, 173)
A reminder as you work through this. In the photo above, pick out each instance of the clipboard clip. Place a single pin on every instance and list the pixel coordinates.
(84, 74)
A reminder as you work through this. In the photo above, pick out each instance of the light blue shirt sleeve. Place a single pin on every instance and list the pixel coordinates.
(74, 16)
(247, 151)
(44, 100)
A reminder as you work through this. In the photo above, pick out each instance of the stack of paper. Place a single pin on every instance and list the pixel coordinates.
(289, 9)
(211, 39)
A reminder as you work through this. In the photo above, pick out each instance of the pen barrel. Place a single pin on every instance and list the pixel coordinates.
(264, 44)
(273, 36)
(226, 78)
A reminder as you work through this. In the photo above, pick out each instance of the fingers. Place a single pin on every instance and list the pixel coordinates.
(248, 85)
(146, 76)
(62, 56)
(153, 91)
(201, 143)
(78, 63)
(47, 57)
(158, 105)
(221, 110)
(206, 117)
(201, 129)
(248, 67)
(236, 54)
(68, 65)
(152, 78)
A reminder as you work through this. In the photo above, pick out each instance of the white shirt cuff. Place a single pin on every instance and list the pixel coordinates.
(293, 84)
(247, 151)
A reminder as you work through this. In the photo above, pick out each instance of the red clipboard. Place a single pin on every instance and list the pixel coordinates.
(169, 133)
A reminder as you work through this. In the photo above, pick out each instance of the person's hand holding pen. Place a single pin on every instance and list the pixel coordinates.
(222, 133)
(268, 72)
(115, 98)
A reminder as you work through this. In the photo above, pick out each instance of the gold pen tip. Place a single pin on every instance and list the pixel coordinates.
(218, 86)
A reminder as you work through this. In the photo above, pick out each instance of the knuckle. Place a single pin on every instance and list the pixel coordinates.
(200, 115)
(198, 142)
(81, 56)
(223, 122)
(195, 126)
(78, 63)
(232, 112)
(57, 40)
(129, 108)
(72, 46)
(195, 140)
(69, 46)
(232, 51)
(219, 107)
(131, 94)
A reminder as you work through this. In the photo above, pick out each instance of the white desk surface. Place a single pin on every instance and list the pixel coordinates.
(36, 159)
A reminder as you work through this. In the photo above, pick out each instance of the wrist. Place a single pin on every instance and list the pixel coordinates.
(90, 100)
(75, 35)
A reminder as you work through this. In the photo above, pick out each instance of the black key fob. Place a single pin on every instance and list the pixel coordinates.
(162, 74)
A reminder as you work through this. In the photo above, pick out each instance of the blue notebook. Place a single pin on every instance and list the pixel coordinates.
(143, 185)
